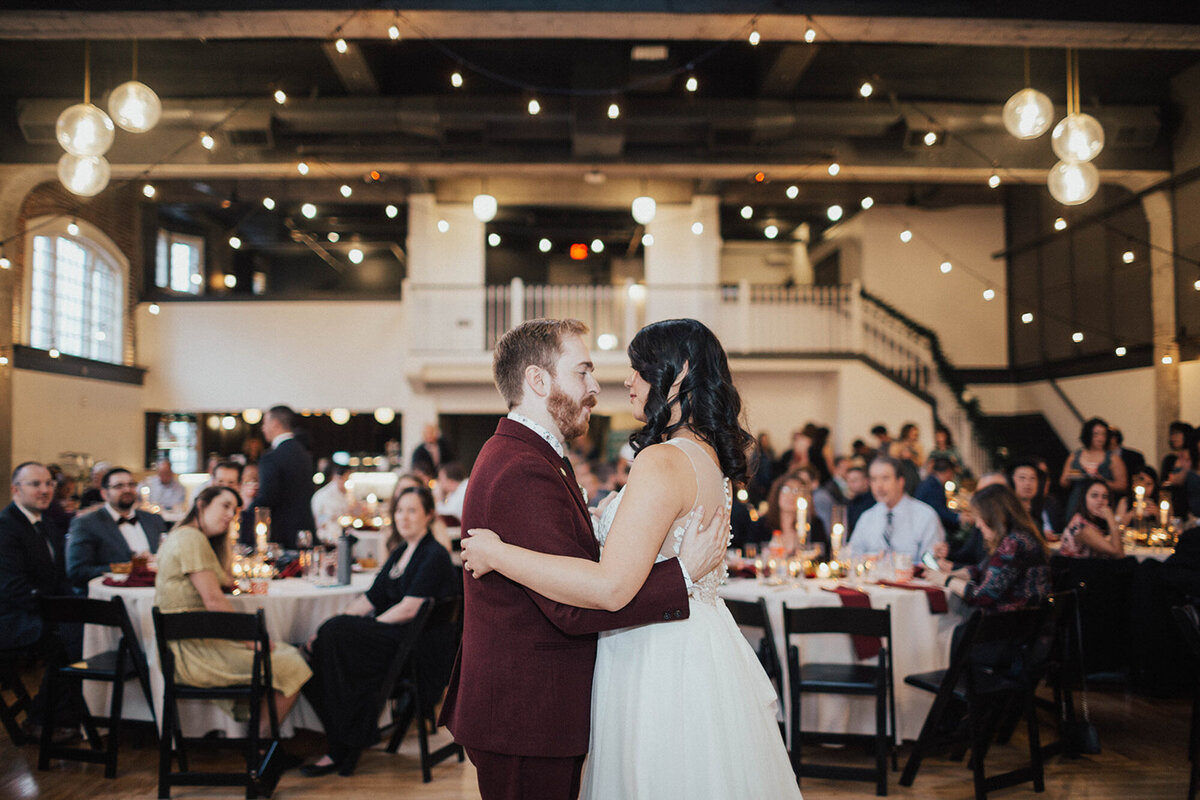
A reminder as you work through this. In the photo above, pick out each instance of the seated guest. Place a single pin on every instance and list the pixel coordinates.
(451, 490)
(832, 492)
(351, 651)
(781, 510)
(91, 495)
(113, 533)
(64, 506)
(330, 503)
(1091, 462)
(1126, 513)
(1015, 573)
(193, 565)
(248, 491)
(1187, 482)
(1092, 532)
(859, 498)
(897, 522)
(163, 489)
(932, 492)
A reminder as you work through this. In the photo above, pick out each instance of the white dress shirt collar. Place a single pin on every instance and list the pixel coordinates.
(33, 516)
(281, 438)
(550, 438)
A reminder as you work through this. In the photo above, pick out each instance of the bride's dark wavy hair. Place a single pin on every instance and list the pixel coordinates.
(708, 402)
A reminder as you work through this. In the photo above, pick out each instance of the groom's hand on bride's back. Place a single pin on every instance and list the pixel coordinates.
(704, 544)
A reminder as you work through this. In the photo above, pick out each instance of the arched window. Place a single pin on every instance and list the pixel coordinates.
(76, 290)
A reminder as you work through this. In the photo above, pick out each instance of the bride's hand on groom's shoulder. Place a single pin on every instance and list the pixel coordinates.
(704, 545)
(478, 550)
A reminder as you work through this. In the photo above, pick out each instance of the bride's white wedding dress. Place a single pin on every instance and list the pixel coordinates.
(684, 709)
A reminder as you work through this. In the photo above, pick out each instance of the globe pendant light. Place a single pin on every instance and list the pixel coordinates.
(83, 129)
(134, 107)
(1073, 182)
(84, 175)
(484, 207)
(1077, 137)
(643, 209)
(1028, 113)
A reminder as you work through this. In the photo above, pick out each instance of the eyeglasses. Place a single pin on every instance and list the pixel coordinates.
(36, 484)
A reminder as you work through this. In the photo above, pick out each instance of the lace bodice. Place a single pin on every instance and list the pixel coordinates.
(704, 587)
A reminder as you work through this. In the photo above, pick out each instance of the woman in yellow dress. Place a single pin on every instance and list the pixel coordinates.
(192, 569)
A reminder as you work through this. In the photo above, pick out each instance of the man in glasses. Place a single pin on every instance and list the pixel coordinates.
(113, 533)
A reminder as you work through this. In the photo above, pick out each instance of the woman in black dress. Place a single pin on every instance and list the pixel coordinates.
(352, 651)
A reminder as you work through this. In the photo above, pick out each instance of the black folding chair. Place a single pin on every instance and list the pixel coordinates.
(1188, 620)
(172, 743)
(413, 698)
(849, 679)
(995, 666)
(113, 667)
(11, 664)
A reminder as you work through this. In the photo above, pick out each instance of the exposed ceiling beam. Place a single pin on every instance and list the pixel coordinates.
(373, 24)
(351, 68)
(787, 69)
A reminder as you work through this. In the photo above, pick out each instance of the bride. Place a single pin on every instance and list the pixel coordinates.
(681, 709)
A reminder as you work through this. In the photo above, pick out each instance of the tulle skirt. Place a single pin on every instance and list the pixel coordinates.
(684, 710)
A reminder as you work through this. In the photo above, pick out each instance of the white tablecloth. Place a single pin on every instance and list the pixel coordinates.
(920, 640)
(1140, 552)
(294, 608)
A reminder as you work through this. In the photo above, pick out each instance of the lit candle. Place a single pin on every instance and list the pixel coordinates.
(835, 538)
(758, 567)
(1140, 491)
(823, 570)
(260, 537)
(802, 521)
(1164, 511)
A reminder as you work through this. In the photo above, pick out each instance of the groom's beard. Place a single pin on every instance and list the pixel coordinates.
(568, 414)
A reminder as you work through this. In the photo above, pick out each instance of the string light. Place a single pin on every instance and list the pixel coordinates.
(810, 35)
(355, 255)
(235, 243)
(648, 240)
(1127, 256)
(754, 38)
(280, 96)
(207, 141)
(771, 231)
(1060, 224)
(341, 46)
(697, 228)
(866, 89)
(456, 79)
(394, 32)
(269, 203)
(867, 202)
(834, 212)
(793, 192)
(4, 262)
(346, 190)
(906, 236)
(391, 211)
(494, 239)
(692, 84)
(993, 180)
(443, 226)
(230, 281)
(334, 237)
(1120, 352)
(989, 294)
(747, 212)
(535, 107)
(614, 111)
(1027, 318)
(153, 308)
(835, 168)
(1077, 337)
(946, 267)
(1165, 359)
(931, 139)
(308, 210)
(73, 228)
(148, 190)
(597, 246)
(545, 245)
(302, 168)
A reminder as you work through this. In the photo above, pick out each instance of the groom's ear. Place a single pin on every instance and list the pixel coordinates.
(538, 380)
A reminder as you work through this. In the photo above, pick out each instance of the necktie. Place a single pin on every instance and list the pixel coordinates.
(887, 531)
(44, 532)
(569, 469)
(127, 521)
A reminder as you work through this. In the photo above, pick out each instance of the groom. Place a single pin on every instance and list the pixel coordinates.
(519, 699)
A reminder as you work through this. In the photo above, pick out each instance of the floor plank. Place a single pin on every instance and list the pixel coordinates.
(1144, 758)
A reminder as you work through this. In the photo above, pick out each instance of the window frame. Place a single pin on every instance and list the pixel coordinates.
(99, 247)
(198, 242)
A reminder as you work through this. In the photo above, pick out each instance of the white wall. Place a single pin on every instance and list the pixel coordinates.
(866, 399)
(908, 276)
(1189, 392)
(215, 356)
(757, 262)
(54, 414)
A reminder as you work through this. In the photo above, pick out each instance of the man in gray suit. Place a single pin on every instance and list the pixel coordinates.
(114, 532)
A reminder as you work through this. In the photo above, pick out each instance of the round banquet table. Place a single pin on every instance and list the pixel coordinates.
(920, 640)
(1138, 551)
(295, 609)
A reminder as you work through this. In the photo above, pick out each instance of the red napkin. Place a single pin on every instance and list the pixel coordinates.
(864, 646)
(935, 596)
(134, 579)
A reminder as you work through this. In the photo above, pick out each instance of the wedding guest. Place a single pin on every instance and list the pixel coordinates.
(248, 491)
(1015, 573)
(1126, 512)
(909, 449)
(351, 651)
(285, 478)
(832, 492)
(932, 492)
(1028, 483)
(91, 495)
(943, 447)
(1092, 461)
(113, 533)
(1179, 433)
(883, 441)
(330, 503)
(781, 513)
(860, 497)
(967, 545)
(799, 454)
(451, 490)
(897, 522)
(193, 566)
(64, 506)
(1132, 459)
(1092, 532)
(162, 489)
(433, 451)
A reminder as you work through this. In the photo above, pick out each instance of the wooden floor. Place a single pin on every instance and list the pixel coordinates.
(1144, 743)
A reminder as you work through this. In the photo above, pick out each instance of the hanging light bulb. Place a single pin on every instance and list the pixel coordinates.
(810, 35)
(355, 255)
(148, 190)
(614, 111)
(906, 236)
(993, 180)
(771, 231)
(443, 226)
(1120, 351)
(793, 192)
(339, 416)
(346, 190)
(1077, 337)
(391, 211)
(456, 79)
(393, 32)
(1060, 224)
(493, 240)
(484, 207)
(867, 202)
(134, 107)
(643, 209)
(280, 96)
(835, 168)
(385, 416)
(648, 241)
(230, 281)
(84, 130)
(834, 212)
(1073, 183)
(535, 107)
(4, 262)
(946, 267)
(235, 242)
(931, 138)
(308, 210)
(334, 237)
(1077, 137)
(989, 294)
(544, 245)
(1027, 318)
(754, 38)
(866, 89)
(597, 246)
(73, 228)
(697, 228)
(747, 212)
(269, 203)
(1028, 114)
(207, 141)
(341, 46)
(302, 168)
(692, 84)
(85, 176)
(1127, 256)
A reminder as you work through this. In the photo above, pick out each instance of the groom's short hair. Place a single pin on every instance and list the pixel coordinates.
(537, 342)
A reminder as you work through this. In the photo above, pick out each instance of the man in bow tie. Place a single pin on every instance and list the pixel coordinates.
(113, 533)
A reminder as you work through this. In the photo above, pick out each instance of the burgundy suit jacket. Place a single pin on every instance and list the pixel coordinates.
(522, 682)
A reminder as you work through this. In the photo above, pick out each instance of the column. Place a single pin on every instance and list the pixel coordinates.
(1162, 309)
(683, 265)
(445, 305)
